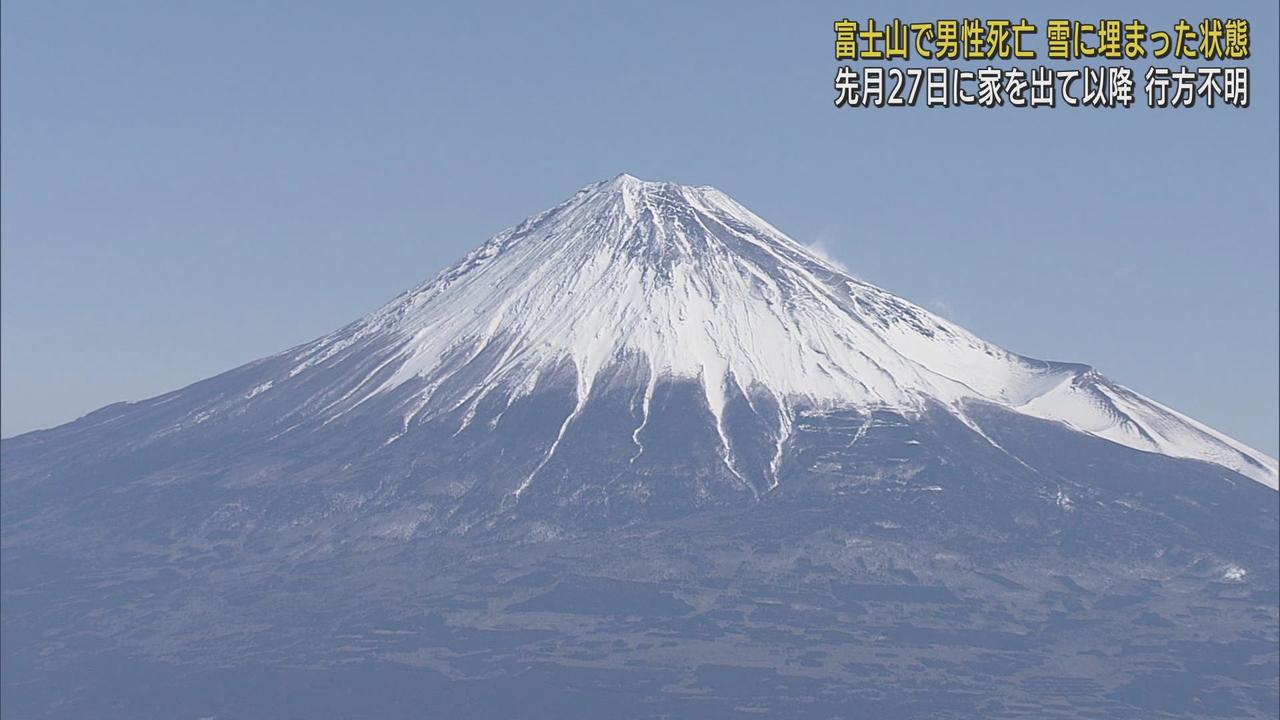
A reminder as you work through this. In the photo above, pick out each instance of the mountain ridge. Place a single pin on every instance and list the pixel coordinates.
(702, 288)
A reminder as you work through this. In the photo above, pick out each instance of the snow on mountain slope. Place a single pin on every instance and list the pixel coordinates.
(697, 286)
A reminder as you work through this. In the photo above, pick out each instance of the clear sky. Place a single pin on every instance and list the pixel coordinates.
(189, 186)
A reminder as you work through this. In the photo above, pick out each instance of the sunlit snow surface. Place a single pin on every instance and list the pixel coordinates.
(698, 286)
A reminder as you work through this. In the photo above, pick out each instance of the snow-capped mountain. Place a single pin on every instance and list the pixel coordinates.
(645, 447)
(687, 283)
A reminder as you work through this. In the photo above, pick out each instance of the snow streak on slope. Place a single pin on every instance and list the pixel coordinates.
(697, 286)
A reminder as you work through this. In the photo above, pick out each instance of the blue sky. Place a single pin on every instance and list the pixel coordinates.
(189, 186)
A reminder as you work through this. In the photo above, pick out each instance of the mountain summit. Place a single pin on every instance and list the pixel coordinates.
(681, 282)
(641, 455)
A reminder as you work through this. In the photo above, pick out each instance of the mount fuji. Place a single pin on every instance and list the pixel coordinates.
(641, 455)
